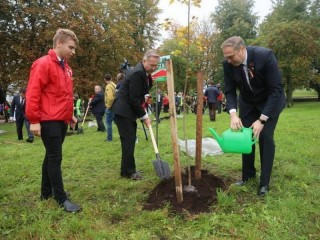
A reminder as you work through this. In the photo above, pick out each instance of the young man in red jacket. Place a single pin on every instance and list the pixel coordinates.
(49, 109)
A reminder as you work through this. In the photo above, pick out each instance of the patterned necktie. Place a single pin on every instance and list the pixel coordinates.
(245, 76)
(22, 102)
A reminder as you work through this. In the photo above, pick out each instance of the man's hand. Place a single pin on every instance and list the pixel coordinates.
(257, 127)
(147, 121)
(35, 129)
(73, 122)
(235, 122)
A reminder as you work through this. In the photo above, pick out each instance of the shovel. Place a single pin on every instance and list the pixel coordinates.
(161, 167)
(80, 129)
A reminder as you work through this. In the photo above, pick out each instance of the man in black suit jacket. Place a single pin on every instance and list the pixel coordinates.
(129, 105)
(254, 71)
(18, 106)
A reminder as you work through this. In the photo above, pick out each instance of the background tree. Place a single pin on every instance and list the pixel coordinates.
(108, 30)
(232, 18)
(289, 33)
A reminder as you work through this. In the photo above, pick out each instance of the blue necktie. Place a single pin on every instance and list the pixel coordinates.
(62, 64)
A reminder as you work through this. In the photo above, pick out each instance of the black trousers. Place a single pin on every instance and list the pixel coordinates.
(100, 123)
(128, 133)
(266, 146)
(53, 134)
(212, 110)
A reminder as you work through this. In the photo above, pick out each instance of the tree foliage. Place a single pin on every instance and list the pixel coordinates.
(289, 33)
(109, 31)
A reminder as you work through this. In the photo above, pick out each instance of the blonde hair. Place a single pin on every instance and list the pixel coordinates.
(63, 34)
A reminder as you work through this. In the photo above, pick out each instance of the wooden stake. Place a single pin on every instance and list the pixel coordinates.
(199, 124)
(174, 132)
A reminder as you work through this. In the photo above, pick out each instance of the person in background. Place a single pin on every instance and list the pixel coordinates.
(219, 99)
(98, 107)
(50, 108)
(212, 93)
(109, 96)
(129, 105)
(76, 110)
(255, 72)
(18, 109)
(159, 100)
(120, 79)
(165, 103)
(6, 111)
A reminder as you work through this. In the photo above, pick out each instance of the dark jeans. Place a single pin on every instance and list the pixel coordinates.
(109, 119)
(212, 110)
(53, 134)
(127, 131)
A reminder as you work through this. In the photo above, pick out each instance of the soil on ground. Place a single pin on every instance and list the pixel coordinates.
(194, 202)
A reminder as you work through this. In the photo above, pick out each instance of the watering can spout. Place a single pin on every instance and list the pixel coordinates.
(216, 136)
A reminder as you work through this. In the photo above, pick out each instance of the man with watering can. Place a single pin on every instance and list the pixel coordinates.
(254, 71)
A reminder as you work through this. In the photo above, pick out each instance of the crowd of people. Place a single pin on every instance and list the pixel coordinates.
(48, 109)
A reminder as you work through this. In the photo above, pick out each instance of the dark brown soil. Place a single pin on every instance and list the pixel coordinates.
(194, 202)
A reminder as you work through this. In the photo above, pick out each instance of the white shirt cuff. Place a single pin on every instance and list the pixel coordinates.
(232, 110)
(145, 116)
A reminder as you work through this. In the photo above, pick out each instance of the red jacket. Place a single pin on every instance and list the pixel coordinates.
(49, 93)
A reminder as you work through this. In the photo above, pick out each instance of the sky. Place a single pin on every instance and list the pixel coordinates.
(179, 12)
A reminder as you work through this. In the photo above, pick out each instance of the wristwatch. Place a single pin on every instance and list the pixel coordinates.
(262, 121)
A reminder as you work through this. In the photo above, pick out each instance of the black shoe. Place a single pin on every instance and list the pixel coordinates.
(134, 176)
(46, 197)
(263, 191)
(243, 182)
(69, 206)
(30, 140)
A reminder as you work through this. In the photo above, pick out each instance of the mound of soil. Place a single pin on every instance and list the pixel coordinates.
(194, 202)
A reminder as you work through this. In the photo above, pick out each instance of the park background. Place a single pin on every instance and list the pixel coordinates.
(109, 33)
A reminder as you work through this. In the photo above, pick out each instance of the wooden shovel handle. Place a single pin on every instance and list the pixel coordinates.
(153, 140)
(85, 115)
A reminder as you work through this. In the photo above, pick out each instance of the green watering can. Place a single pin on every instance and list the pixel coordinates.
(232, 141)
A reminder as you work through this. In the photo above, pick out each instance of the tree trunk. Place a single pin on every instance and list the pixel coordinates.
(289, 91)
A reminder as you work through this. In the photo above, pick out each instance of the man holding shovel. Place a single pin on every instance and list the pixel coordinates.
(129, 105)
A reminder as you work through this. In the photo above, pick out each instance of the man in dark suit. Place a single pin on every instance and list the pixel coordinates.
(129, 105)
(18, 106)
(212, 94)
(254, 71)
(98, 107)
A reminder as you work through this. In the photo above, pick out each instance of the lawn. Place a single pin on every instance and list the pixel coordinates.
(112, 206)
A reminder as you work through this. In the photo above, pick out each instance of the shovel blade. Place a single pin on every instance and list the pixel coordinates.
(80, 131)
(162, 169)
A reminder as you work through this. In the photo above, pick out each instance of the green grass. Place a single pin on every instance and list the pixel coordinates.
(112, 206)
(305, 93)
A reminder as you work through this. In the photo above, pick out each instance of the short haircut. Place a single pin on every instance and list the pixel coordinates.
(62, 35)
(210, 82)
(151, 53)
(236, 42)
(120, 76)
(22, 90)
(108, 77)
